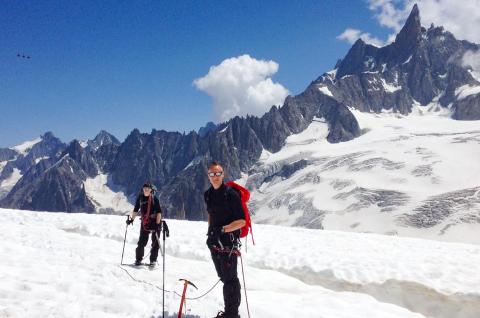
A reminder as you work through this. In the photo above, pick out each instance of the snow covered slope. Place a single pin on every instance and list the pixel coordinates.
(99, 191)
(415, 175)
(7, 184)
(67, 265)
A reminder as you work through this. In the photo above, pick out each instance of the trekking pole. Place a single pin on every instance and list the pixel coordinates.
(166, 232)
(124, 239)
(185, 285)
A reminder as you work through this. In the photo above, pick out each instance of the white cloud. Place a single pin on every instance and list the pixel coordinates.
(351, 35)
(472, 59)
(242, 85)
(462, 18)
(388, 15)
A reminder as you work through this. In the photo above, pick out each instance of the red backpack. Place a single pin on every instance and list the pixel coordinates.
(244, 197)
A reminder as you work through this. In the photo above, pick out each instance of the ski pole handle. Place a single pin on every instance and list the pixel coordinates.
(166, 231)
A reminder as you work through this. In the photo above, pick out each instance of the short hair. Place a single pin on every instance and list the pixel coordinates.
(214, 163)
(147, 184)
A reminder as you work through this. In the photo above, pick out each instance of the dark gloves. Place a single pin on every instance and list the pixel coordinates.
(214, 235)
(166, 231)
(155, 227)
(219, 231)
(129, 220)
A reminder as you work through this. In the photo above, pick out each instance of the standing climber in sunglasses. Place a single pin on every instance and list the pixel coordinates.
(151, 219)
(225, 219)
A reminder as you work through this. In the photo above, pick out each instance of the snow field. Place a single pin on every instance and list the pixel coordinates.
(416, 158)
(58, 264)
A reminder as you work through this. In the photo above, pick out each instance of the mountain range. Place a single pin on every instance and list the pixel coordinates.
(421, 72)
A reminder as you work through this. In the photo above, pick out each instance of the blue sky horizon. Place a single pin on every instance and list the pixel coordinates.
(117, 66)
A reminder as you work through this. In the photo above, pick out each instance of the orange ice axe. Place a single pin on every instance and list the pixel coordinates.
(185, 285)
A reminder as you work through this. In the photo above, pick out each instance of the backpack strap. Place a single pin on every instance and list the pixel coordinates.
(146, 220)
(227, 192)
(207, 195)
(228, 196)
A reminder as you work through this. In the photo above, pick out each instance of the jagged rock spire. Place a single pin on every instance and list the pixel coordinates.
(411, 33)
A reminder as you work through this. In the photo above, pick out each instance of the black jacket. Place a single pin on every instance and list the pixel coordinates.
(142, 204)
(224, 206)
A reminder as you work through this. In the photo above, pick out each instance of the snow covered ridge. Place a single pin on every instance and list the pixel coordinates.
(413, 176)
(74, 272)
(26, 146)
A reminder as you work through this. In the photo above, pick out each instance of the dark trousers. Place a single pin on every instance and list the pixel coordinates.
(142, 242)
(226, 267)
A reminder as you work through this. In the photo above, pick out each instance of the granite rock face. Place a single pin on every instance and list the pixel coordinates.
(50, 186)
(7, 154)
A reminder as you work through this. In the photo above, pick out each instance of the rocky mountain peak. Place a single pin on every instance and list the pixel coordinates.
(48, 136)
(421, 66)
(74, 149)
(210, 126)
(411, 33)
(363, 57)
(103, 138)
(355, 60)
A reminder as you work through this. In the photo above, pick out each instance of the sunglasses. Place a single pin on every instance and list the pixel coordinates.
(215, 174)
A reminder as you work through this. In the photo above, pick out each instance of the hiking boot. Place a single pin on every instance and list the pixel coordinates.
(152, 264)
(138, 262)
(221, 314)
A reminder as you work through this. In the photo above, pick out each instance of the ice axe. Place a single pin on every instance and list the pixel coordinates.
(185, 285)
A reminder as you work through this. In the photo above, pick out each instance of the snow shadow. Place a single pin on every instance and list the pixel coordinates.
(407, 294)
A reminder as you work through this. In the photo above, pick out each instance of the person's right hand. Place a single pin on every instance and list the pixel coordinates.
(214, 235)
(129, 221)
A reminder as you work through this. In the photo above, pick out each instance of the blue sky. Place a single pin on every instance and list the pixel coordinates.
(122, 65)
